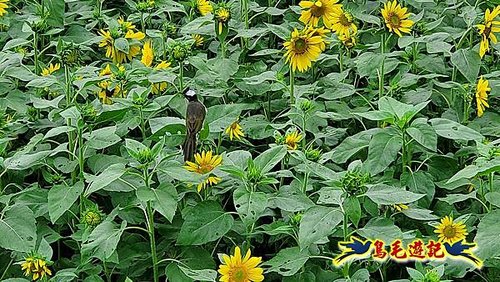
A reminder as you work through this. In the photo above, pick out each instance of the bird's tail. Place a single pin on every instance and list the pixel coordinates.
(340, 258)
(189, 147)
(472, 258)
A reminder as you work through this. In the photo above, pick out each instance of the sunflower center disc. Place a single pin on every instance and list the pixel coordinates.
(345, 19)
(395, 20)
(449, 232)
(317, 9)
(239, 275)
(300, 45)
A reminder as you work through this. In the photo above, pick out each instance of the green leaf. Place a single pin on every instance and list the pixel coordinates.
(453, 130)
(18, 229)
(455, 198)
(102, 138)
(351, 145)
(122, 45)
(103, 240)
(480, 168)
(110, 174)
(61, 198)
(383, 194)
(467, 62)
(205, 222)
(199, 275)
(270, 158)
(56, 12)
(382, 229)
(419, 214)
(353, 209)
(291, 199)
(424, 134)
(487, 236)
(493, 198)
(288, 261)
(317, 223)
(383, 150)
(165, 200)
(250, 205)
(25, 161)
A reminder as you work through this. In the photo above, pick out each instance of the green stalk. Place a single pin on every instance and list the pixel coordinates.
(35, 50)
(151, 230)
(67, 78)
(304, 131)
(341, 59)
(292, 86)
(143, 24)
(143, 124)
(345, 269)
(404, 154)
(381, 75)
(181, 76)
(223, 48)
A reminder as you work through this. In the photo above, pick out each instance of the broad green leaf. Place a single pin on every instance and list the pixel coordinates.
(288, 261)
(493, 198)
(250, 205)
(487, 236)
(467, 61)
(351, 145)
(382, 229)
(455, 198)
(205, 222)
(270, 158)
(61, 198)
(102, 138)
(419, 214)
(383, 194)
(165, 200)
(103, 240)
(110, 174)
(353, 209)
(199, 275)
(56, 12)
(471, 171)
(18, 229)
(122, 45)
(317, 223)
(25, 161)
(424, 134)
(453, 130)
(383, 150)
(291, 199)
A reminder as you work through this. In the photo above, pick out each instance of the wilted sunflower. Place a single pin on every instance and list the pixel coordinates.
(3, 7)
(204, 7)
(450, 232)
(482, 90)
(108, 88)
(50, 69)
(234, 130)
(313, 11)
(343, 23)
(205, 163)
(488, 29)
(147, 59)
(303, 48)
(292, 140)
(348, 41)
(198, 40)
(236, 268)
(36, 267)
(396, 18)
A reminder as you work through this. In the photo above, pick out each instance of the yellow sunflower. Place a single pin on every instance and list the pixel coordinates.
(204, 7)
(108, 41)
(159, 87)
(108, 89)
(313, 11)
(482, 90)
(234, 130)
(488, 29)
(400, 207)
(198, 40)
(292, 140)
(322, 32)
(236, 268)
(349, 41)
(222, 15)
(36, 267)
(303, 48)
(396, 18)
(147, 59)
(205, 163)
(126, 26)
(3, 7)
(343, 23)
(147, 54)
(50, 69)
(450, 232)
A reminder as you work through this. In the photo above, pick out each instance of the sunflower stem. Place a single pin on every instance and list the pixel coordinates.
(35, 51)
(181, 76)
(143, 23)
(292, 87)
(151, 229)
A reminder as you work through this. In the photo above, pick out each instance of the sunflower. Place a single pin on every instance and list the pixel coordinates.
(118, 56)
(313, 11)
(321, 31)
(147, 54)
(395, 17)
(450, 232)
(343, 23)
(147, 59)
(3, 7)
(236, 268)
(400, 207)
(222, 16)
(125, 26)
(108, 89)
(36, 266)
(160, 86)
(234, 130)
(349, 41)
(204, 7)
(488, 29)
(198, 40)
(205, 163)
(50, 69)
(303, 48)
(292, 140)
(482, 90)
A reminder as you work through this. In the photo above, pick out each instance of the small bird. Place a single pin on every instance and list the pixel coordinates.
(355, 247)
(460, 249)
(195, 116)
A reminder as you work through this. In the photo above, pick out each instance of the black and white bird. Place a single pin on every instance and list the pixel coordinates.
(195, 116)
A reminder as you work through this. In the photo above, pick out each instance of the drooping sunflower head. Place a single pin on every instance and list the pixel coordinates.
(313, 11)
(487, 30)
(396, 18)
(36, 266)
(147, 54)
(223, 14)
(204, 7)
(349, 41)
(204, 162)
(236, 268)
(343, 23)
(50, 69)
(482, 90)
(198, 40)
(234, 130)
(303, 48)
(292, 140)
(450, 232)
(3, 7)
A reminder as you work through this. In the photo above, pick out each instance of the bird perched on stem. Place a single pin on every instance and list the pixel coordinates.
(195, 115)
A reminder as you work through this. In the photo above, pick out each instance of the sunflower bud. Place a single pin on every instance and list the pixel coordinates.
(313, 154)
(179, 51)
(222, 15)
(169, 28)
(354, 182)
(431, 276)
(92, 217)
(145, 156)
(296, 218)
(70, 55)
(306, 105)
(39, 26)
(279, 138)
(88, 112)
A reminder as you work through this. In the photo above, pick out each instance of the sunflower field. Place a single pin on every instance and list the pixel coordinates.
(249, 140)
